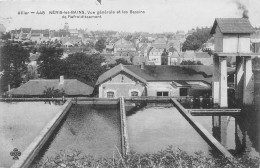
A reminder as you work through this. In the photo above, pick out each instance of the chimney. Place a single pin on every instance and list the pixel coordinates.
(142, 65)
(61, 80)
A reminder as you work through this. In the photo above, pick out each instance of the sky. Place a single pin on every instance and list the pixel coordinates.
(160, 15)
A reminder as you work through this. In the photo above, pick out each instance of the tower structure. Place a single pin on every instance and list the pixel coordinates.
(232, 39)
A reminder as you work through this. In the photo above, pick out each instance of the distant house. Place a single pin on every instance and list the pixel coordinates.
(36, 35)
(155, 55)
(188, 55)
(45, 35)
(255, 41)
(36, 88)
(2, 28)
(174, 57)
(123, 45)
(25, 33)
(73, 32)
(15, 34)
(148, 80)
(204, 58)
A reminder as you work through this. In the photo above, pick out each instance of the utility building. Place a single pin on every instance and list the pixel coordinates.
(232, 38)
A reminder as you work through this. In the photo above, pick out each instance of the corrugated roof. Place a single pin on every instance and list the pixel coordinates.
(232, 25)
(37, 87)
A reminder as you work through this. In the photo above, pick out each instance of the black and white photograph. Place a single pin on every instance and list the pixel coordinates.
(129, 83)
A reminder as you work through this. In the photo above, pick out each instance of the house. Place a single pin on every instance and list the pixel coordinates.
(2, 29)
(45, 35)
(25, 33)
(188, 55)
(15, 34)
(36, 87)
(155, 55)
(204, 58)
(124, 45)
(36, 35)
(255, 41)
(174, 57)
(150, 80)
(73, 32)
(209, 45)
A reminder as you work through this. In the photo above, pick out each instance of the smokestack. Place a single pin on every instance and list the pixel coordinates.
(242, 8)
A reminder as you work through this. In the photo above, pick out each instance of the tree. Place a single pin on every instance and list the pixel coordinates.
(51, 92)
(100, 45)
(5, 36)
(190, 62)
(120, 61)
(86, 68)
(50, 63)
(164, 57)
(13, 60)
(197, 39)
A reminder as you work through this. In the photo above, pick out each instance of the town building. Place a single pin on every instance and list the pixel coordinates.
(147, 80)
(36, 87)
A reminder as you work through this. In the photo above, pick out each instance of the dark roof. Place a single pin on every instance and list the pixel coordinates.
(232, 25)
(37, 87)
(170, 73)
(161, 73)
(26, 30)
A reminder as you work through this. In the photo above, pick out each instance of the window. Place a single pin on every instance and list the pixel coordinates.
(183, 91)
(134, 93)
(110, 94)
(164, 94)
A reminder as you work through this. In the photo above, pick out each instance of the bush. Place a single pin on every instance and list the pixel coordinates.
(167, 158)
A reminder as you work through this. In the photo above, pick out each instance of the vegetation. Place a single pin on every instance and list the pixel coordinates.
(84, 67)
(168, 158)
(189, 62)
(50, 63)
(164, 57)
(100, 45)
(256, 63)
(51, 92)
(197, 39)
(13, 60)
(120, 61)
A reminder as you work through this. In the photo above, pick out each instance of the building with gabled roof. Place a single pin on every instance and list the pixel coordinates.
(36, 87)
(150, 80)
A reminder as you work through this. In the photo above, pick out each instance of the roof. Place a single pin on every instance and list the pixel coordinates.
(152, 73)
(232, 25)
(26, 30)
(2, 28)
(188, 54)
(170, 73)
(36, 31)
(116, 70)
(202, 55)
(37, 87)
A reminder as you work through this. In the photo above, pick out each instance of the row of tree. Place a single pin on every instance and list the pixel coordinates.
(14, 68)
(197, 39)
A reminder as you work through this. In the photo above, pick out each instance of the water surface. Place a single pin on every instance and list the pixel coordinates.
(92, 130)
(157, 126)
(20, 123)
